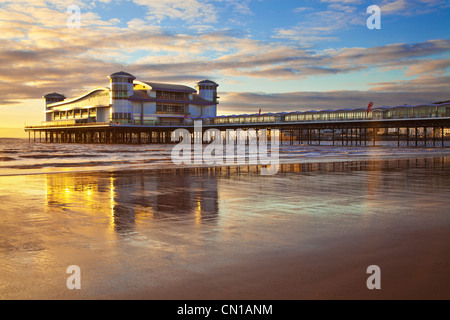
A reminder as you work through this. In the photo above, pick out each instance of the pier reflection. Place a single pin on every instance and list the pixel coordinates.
(126, 199)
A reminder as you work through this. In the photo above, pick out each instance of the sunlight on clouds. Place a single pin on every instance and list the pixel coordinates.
(181, 41)
(436, 67)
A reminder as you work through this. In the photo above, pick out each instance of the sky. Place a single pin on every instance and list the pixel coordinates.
(274, 55)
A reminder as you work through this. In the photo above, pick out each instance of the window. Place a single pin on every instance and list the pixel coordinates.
(170, 108)
(167, 95)
(118, 87)
(120, 94)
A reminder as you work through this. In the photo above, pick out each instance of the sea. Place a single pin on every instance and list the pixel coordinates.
(19, 156)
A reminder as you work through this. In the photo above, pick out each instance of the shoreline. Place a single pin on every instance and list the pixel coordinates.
(322, 159)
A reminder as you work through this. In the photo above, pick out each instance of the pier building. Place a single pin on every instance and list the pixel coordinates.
(136, 111)
(130, 101)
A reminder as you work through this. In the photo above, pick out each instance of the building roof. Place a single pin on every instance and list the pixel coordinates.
(441, 102)
(170, 87)
(79, 97)
(122, 74)
(141, 95)
(199, 100)
(54, 95)
(208, 82)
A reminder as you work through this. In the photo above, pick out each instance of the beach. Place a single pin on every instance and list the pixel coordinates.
(410, 270)
(308, 232)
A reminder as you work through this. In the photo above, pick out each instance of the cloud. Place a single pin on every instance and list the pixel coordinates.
(324, 23)
(423, 84)
(247, 102)
(59, 60)
(39, 55)
(239, 6)
(427, 66)
(320, 25)
(412, 7)
(388, 55)
(394, 7)
(189, 10)
(342, 1)
(302, 9)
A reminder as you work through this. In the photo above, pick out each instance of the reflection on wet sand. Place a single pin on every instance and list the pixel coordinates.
(130, 198)
(179, 194)
(147, 230)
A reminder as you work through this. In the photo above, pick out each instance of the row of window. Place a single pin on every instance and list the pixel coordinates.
(172, 95)
(119, 94)
(52, 100)
(120, 115)
(202, 87)
(170, 108)
(74, 113)
(122, 80)
(118, 87)
(396, 113)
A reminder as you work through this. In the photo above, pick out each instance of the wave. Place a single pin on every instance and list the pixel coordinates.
(50, 156)
(7, 159)
(87, 164)
(132, 151)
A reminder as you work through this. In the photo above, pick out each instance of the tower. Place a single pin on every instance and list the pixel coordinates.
(207, 90)
(53, 97)
(121, 89)
(49, 99)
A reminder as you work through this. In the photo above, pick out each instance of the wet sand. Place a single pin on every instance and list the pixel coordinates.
(413, 265)
(308, 232)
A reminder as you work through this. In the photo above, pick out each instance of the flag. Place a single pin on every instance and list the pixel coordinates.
(369, 107)
(259, 113)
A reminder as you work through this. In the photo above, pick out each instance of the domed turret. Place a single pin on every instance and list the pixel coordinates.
(121, 84)
(49, 99)
(121, 90)
(53, 97)
(207, 90)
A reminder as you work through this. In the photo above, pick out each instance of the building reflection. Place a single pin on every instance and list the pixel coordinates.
(129, 198)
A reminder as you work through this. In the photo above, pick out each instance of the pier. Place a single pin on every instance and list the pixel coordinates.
(410, 132)
(132, 111)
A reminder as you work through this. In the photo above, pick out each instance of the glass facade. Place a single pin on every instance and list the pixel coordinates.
(170, 108)
(167, 95)
(400, 112)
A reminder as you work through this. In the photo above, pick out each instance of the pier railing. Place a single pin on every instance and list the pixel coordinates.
(64, 125)
(209, 122)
